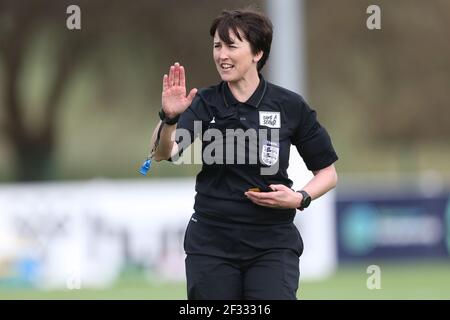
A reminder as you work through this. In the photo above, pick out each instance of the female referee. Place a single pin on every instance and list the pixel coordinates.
(241, 242)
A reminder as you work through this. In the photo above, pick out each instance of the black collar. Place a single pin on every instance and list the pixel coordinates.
(255, 98)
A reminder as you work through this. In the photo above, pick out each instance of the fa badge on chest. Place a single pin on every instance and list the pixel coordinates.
(270, 152)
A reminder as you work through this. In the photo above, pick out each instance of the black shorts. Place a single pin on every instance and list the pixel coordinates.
(229, 261)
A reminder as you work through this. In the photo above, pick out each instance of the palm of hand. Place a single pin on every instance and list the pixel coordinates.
(174, 99)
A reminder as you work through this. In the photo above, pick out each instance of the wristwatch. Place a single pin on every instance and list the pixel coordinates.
(166, 120)
(305, 201)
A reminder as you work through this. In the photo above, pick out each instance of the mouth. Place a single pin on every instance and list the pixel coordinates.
(226, 66)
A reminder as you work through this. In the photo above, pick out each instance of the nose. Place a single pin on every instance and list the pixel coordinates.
(222, 54)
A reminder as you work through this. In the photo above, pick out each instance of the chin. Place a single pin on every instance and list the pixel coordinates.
(228, 77)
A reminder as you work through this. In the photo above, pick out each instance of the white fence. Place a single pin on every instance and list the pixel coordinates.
(72, 234)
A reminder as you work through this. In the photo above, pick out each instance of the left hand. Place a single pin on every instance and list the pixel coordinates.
(282, 197)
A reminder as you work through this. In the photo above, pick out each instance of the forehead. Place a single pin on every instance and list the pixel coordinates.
(231, 35)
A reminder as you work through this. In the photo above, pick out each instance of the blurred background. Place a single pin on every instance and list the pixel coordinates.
(78, 107)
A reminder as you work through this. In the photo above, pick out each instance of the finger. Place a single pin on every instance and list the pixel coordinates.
(171, 76)
(277, 187)
(182, 77)
(252, 194)
(264, 195)
(191, 95)
(265, 203)
(253, 199)
(257, 198)
(165, 82)
(177, 74)
(255, 195)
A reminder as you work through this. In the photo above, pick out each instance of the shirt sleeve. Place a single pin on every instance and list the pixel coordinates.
(312, 140)
(190, 125)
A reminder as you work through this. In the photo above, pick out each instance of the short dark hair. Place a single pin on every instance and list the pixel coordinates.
(256, 28)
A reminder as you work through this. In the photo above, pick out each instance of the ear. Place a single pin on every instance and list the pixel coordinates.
(258, 56)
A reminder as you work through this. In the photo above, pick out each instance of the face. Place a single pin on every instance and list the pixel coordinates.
(234, 61)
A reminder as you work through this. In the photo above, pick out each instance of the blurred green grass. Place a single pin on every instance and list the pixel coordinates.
(405, 280)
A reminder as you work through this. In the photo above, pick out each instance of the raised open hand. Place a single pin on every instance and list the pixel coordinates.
(174, 99)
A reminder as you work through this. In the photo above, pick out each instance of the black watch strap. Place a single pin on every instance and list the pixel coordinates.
(169, 121)
(306, 200)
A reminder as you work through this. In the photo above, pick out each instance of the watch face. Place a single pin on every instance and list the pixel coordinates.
(306, 201)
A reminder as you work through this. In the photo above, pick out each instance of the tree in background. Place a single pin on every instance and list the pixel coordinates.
(20, 22)
(385, 87)
(33, 146)
(390, 85)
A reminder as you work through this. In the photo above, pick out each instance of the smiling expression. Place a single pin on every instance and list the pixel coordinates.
(236, 60)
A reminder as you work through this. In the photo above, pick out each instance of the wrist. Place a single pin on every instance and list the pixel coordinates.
(305, 201)
(298, 199)
(168, 118)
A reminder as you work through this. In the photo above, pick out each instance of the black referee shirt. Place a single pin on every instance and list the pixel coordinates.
(246, 139)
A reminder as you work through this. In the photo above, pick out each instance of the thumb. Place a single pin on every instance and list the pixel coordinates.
(277, 187)
(191, 95)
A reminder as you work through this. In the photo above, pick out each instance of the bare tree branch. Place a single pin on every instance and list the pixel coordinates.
(13, 50)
